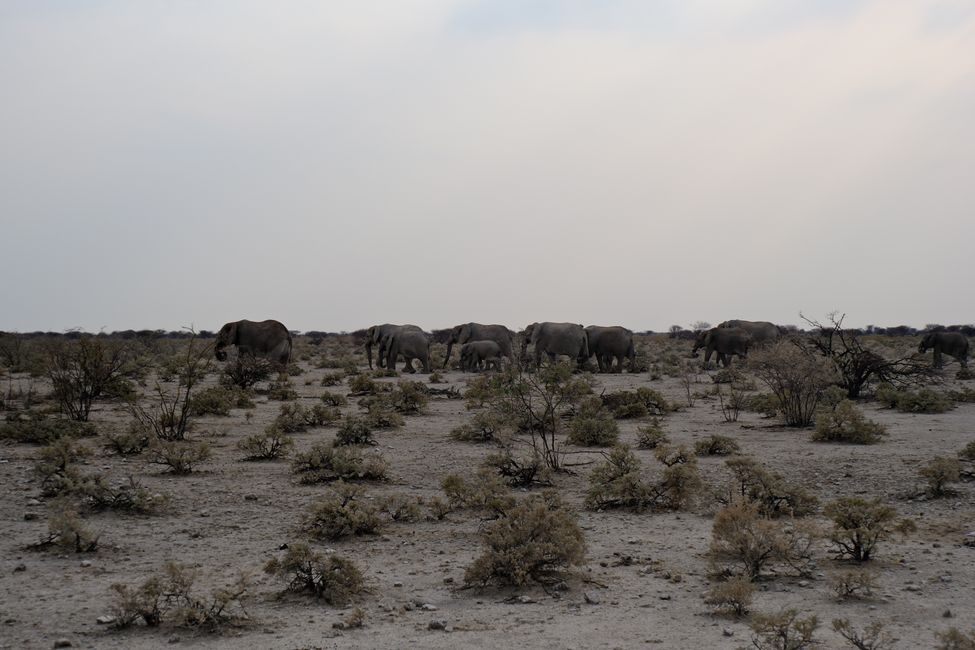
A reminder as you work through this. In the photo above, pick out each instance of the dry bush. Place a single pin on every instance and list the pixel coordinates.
(732, 403)
(636, 404)
(716, 445)
(333, 578)
(96, 493)
(37, 430)
(180, 456)
(272, 444)
(343, 512)
(617, 483)
(169, 414)
(326, 462)
(67, 532)
(520, 471)
(401, 508)
(955, 639)
(334, 399)
(245, 371)
(765, 403)
(652, 435)
(939, 472)
(795, 376)
(845, 423)
(873, 637)
(773, 495)
(282, 391)
(483, 491)
(484, 426)
(593, 426)
(733, 595)
(354, 430)
(853, 584)
(924, 400)
(380, 414)
(435, 378)
(536, 540)
(968, 452)
(54, 466)
(783, 631)
(83, 370)
(294, 417)
(742, 538)
(362, 385)
(333, 378)
(858, 526)
(130, 442)
(218, 400)
(408, 397)
(168, 596)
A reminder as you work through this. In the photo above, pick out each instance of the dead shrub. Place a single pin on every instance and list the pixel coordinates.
(245, 371)
(783, 630)
(343, 512)
(939, 472)
(873, 637)
(716, 445)
(169, 414)
(797, 378)
(180, 456)
(326, 462)
(845, 423)
(853, 584)
(130, 496)
(333, 578)
(520, 471)
(733, 595)
(83, 370)
(534, 540)
(955, 639)
(272, 444)
(858, 526)
(770, 491)
(67, 532)
(742, 538)
(593, 426)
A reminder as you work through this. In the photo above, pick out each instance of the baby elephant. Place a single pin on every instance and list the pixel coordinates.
(476, 353)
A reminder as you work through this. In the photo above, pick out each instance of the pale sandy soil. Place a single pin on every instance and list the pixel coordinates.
(234, 515)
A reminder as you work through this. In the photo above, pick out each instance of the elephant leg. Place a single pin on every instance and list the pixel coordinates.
(937, 358)
(551, 357)
(619, 365)
(409, 364)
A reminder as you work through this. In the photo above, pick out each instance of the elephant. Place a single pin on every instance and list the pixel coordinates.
(556, 338)
(379, 335)
(477, 332)
(412, 344)
(954, 344)
(608, 343)
(268, 339)
(761, 331)
(474, 353)
(726, 341)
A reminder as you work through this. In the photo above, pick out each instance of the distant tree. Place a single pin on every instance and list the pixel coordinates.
(674, 331)
(700, 326)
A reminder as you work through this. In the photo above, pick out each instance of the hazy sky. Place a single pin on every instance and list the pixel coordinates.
(337, 164)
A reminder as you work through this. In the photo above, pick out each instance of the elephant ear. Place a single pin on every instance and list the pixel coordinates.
(232, 334)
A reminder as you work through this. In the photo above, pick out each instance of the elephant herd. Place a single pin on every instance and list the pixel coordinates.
(489, 346)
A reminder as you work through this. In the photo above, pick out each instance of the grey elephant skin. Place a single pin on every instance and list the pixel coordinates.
(761, 331)
(475, 353)
(554, 339)
(268, 339)
(954, 344)
(726, 341)
(411, 344)
(477, 332)
(379, 335)
(608, 344)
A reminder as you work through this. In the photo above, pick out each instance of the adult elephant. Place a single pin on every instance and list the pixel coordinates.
(475, 353)
(554, 339)
(476, 332)
(954, 344)
(379, 335)
(609, 343)
(726, 341)
(268, 339)
(761, 331)
(411, 344)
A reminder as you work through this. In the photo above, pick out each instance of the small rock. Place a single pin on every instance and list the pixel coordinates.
(448, 581)
(436, 625)
(728, 632)
(427, 607)
(20, 567)
(174, 639)
(525, 600)
(204, 513)
(105, 619)
(448, 628)
(947, 614)
(85, 564)
(664, 596)
(590, 598)
(803, 583)
(409, 607)
(397, 584)
(63, 643)
(912, 588)
(31, 516)
(35, 502)
(250, 497)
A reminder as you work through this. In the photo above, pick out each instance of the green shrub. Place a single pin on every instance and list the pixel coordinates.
(535, 540)
(362, 385)
(853, 584)
(773, 495)
(483, 491)
(295, 417)
(734, 595)
(716, 445)
(333, 378)
(380, 414)
(617, 483)
(354, 431)
(593, 426)
(968, 452)
(342, 513)
(939, 472)
(858, 526)
(281, 391)
(134, 440)
(408, 397)
(218, 400)
(39, 431)
(272, 444)
(326, 462)
(652, 435)
(484, 426)
(783, 630)
(400, 507)
(520, 471)
(924, 400)
(845, 423)
(333, 578)
(635, 404)
(334, 399)
(765, 403)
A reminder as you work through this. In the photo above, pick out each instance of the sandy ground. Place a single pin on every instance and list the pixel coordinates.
(233, 515)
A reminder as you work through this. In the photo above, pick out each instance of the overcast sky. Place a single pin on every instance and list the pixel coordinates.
(338, 164)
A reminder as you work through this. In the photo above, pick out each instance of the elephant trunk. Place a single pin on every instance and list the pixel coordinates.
(450, 346)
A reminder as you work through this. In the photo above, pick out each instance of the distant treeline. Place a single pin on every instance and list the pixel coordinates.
(441, 335)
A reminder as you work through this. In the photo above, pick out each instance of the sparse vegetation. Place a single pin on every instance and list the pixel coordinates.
(593, 426)
(617, 482)
(716, 445)
(38, 430)
(343, 512)
(83, 370)
(333, 578)
(858, 526)
(784, 630)
(733, 595)
(652, 435)
(272, 444)
(795, 376)
(845, 423)
(873, 637)
(939, 473)
(955, 639)
(325, 462)
(179, 456)
(853, 584)
(354, 430)
(773, 495)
